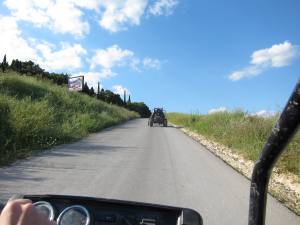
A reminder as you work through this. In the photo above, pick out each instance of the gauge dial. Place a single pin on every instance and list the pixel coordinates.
(45, 208)
(74, 215)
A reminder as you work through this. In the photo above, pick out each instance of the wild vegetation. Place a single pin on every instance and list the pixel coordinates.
(36, 114)
(243, 133)
(31, 69)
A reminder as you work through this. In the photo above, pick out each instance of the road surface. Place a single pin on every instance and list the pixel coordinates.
(135, 162)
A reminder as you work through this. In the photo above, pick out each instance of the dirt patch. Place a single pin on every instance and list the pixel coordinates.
(284, 186)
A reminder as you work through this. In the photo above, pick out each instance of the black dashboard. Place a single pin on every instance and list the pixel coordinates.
(73, 210)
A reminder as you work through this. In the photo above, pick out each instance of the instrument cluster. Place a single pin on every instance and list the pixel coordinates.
(72, 215)
(77, 210)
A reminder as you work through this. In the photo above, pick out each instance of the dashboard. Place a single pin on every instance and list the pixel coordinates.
(74, 210)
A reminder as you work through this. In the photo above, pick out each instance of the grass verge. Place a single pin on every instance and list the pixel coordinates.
(242, 133)
(36, 114)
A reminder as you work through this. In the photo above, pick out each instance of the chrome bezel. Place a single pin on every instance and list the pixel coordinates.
(88, 217)
(48, 206)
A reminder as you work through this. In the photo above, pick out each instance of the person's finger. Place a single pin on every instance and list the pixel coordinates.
(27, 215)
(22, 212)
(11, 204)
(19, 201)
(32, 216)
(11, 212)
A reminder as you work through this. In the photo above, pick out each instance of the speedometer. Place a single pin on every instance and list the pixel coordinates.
(45, 208)
(74, 215)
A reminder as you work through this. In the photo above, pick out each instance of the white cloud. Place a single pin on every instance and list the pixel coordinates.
(119, 89)
(87, 4)
(11, 42)
(49, 56)
(279, 55)
(30, 10)
(111, 57)
(264, 114)
(68, 57)
(163, 7)
(151, 63)
(67, 16)
(250, 71)
(114, 56)
(135, 63)
(217, 110)
(59, 16)
(119, 13)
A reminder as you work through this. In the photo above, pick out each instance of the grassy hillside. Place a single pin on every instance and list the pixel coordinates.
(36, 114)
(244, 134)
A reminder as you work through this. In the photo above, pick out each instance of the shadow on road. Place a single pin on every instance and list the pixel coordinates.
(32, 168)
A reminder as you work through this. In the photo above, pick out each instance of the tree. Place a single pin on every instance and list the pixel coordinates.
(124, 99)
(86, 88)
(92, 92)
(101, 95)
(129, 100)
(32, 69)
(141, 108)
(4, 64)
(98, 89)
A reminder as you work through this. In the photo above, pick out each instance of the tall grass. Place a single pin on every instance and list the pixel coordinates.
(241, 132)
(36, 114)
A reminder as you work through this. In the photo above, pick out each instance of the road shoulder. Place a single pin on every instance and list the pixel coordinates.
(285, 187)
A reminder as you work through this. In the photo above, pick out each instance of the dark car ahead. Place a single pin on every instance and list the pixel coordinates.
(158, 117)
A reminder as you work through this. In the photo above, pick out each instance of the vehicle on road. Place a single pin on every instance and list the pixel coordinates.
(158, 117)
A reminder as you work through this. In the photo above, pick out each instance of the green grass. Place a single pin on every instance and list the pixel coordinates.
(244, 134)
(36, 114)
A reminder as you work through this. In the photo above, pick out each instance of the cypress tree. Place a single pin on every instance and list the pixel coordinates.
(91, 92)
(98, 90)
(4, 64)
(129, 100)
(124, 100)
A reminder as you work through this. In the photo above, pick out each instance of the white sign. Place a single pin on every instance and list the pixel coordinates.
(75, 83)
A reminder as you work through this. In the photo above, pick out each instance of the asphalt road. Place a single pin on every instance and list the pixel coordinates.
(139, 163)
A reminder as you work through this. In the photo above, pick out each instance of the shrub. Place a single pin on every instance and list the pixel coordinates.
(36, 114)
(241, 132)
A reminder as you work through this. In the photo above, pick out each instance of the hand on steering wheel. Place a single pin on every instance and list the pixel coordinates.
(22, 212)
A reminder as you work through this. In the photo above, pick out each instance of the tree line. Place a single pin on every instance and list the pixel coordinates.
(29, 68)
(112, 98)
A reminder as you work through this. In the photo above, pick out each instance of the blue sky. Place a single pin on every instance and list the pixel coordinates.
(184, 55)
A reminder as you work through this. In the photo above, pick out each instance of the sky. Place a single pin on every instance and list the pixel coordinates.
(191, 56)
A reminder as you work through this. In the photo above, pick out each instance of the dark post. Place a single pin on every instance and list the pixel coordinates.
(82, 83)
(283, 131)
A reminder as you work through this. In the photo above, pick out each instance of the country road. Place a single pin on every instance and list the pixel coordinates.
(139, 163)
